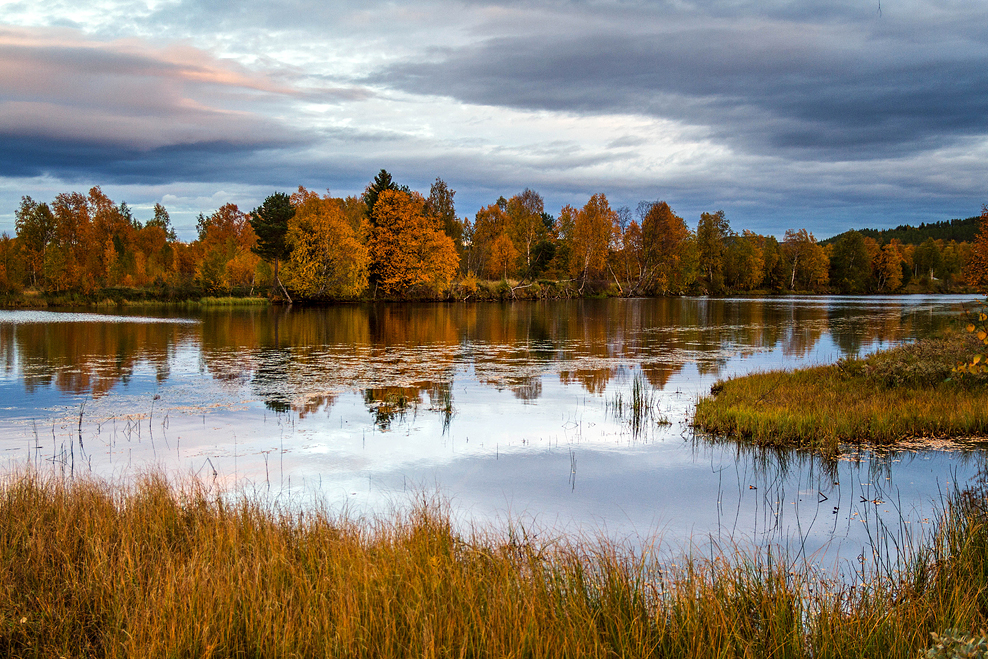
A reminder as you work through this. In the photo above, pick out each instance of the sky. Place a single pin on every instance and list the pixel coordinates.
(818, 114)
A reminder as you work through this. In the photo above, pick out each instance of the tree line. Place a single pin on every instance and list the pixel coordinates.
(392, 242)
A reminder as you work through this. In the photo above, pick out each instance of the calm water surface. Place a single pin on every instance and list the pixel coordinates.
(508, 410)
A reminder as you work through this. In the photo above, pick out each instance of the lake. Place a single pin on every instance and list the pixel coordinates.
(513, 412)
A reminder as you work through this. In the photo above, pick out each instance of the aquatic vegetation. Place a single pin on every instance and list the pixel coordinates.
(640, 409)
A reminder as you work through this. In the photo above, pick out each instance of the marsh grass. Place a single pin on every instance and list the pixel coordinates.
(94, 570)
(640, 409)
(904, 393)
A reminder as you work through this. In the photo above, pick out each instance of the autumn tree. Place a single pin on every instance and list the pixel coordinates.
(888, 267)
(711, 232)
(565, 233)
(630, 259)
(806, 261)
(66, 259)
(381, 183)
(225, 241)
(11, 264)
(112, 232)
(407, 247)
(163, 221)
(35, 226)
(744, 261)
(270, 223)
(326, 260)
(493, 250)
(593, 230)
(850, 266)
(774, 263)
(440, 205)
(525, 224)
(663, 242)
(976, 271)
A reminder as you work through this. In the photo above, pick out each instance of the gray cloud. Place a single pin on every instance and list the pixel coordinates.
(784, 113)
(70, 106)
(827, 92)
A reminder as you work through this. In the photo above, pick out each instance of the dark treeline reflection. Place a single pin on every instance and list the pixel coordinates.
(401, 356)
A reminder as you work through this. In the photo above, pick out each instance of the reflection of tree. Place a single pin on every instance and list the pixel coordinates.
(807, 327)
(314, 404)
(389, 403)
(441, 401)
(594, 381)
(271, 381)
(659, 373)
(529, 389)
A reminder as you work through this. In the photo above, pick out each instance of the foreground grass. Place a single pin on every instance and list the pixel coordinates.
(92, 570)
(905, 393)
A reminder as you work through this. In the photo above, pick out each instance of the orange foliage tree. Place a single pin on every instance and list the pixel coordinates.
(225, 242)
(593, 231)
(665, 239)
(327, 260)
(407, 247)
(976, 271)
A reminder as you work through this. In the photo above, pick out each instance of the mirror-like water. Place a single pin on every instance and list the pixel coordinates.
(512, 411)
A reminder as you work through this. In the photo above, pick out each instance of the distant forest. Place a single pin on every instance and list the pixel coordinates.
(395, 243)
(961, 231)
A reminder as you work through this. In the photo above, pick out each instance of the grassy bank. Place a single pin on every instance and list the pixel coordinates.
(905, 393)
(92, 570)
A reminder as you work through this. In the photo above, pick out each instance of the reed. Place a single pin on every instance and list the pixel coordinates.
(95, 570)
(901, 394)
(640, 410)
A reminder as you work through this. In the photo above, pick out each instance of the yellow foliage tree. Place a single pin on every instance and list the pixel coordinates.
(888, 267)
(503, 255)
(327, 260)
(407, 247)
(490, 224)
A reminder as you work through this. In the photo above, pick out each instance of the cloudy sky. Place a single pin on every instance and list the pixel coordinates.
(825, 114)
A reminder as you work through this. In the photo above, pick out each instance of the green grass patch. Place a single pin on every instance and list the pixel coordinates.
(149, 570)
(904, 393)
(234, 301)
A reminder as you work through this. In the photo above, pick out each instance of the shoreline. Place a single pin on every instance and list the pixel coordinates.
(138, 298)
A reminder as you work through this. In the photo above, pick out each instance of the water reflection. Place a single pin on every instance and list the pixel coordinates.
(300, 358)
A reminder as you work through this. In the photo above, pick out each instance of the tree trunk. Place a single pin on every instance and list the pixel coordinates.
(280, 285)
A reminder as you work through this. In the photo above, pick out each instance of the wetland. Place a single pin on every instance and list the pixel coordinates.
(515, 412)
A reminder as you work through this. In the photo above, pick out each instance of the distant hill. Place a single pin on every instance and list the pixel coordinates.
(959, 230)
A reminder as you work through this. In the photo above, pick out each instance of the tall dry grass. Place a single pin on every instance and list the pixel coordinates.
(89, 569)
